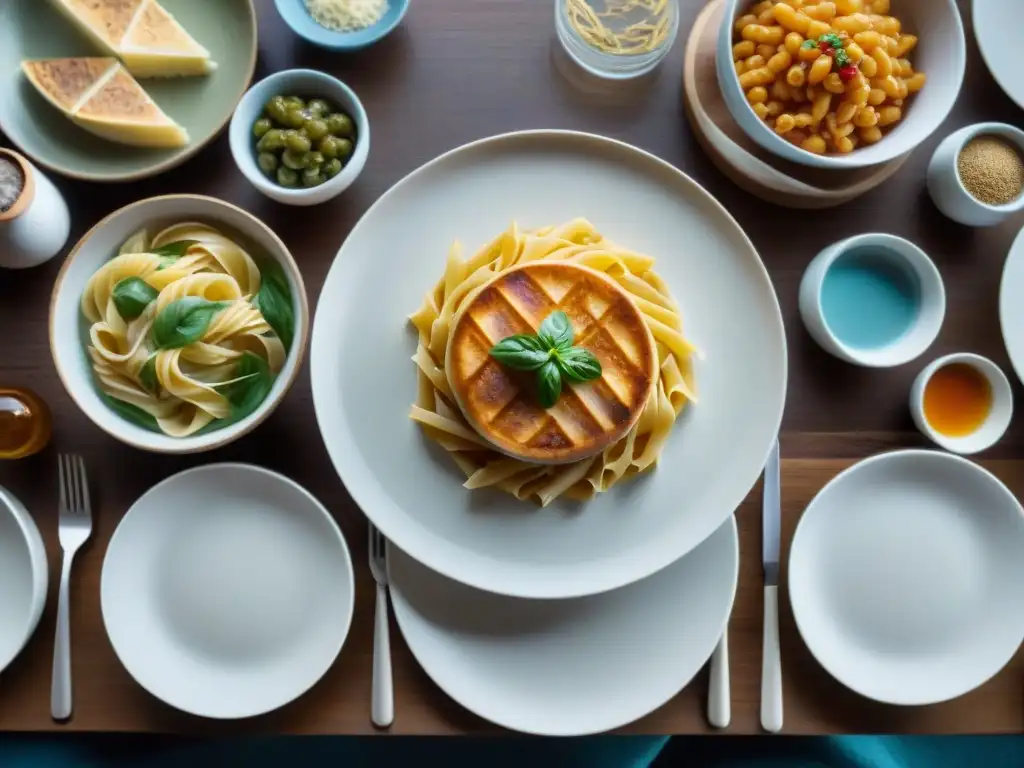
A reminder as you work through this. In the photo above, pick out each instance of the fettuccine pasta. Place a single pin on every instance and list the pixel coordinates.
(185, 332)
(440, 418)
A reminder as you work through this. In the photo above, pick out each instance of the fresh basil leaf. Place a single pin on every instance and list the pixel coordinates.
(132, 295)
(274, 301)
(523, 352)
(184, 321)
(171, 252)
(131, 413)
(556, 331)
(549, 384)
(147, 375)
(578, 364)
(252, 384)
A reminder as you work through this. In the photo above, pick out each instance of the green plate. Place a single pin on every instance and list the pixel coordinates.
(33, 29)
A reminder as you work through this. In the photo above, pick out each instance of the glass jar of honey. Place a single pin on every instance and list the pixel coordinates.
(25, 425)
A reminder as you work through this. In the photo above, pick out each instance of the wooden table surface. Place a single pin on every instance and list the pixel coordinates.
(455, 71)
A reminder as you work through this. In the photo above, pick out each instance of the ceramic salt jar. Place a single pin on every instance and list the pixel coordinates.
(34, 219)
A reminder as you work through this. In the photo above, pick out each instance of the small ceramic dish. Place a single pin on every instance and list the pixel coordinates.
(910, 329)
(941, 54)
(35, 227)
(69, 331)
(202, 105)
(994, 424)
(947, 188)
(23, 573)
(306, 83)
(297, 17)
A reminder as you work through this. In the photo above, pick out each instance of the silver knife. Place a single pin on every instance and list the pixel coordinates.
(771, 662)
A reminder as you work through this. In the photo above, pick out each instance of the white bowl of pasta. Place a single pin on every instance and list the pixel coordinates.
(840, 84)
(178, 323)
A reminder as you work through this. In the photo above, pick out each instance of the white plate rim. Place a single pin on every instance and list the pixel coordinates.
(1017, 97)
(277, 476)
(924, 455)
(402, 611)
(351, 471)
(1013, 271)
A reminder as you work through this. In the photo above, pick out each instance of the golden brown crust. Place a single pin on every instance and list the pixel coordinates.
(501, 404)
(64, 81)
(121, 98)
(107, 18)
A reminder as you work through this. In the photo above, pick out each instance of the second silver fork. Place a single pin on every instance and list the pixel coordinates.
(382, 696)
(74, 529)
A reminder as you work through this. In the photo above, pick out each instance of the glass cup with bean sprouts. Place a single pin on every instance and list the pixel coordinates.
(617, 39)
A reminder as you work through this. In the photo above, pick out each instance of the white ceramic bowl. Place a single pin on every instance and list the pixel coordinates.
(912, 343)
(948, 191)
(994, 426)
(23, 574)
(905, 576)
(941, 54)
(308, 84)
(69, 333)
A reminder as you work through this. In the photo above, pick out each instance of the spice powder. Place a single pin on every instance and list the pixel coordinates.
(991, 170)
(11, 184)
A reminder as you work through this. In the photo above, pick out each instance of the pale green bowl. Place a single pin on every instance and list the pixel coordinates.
(33, 29)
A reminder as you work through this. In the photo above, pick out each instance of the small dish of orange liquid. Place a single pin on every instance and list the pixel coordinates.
(962, 403)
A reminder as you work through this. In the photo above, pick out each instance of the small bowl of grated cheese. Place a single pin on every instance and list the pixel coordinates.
(342, 25)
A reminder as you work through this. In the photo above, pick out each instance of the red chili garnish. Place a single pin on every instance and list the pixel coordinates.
(826, 47)
(848, 72)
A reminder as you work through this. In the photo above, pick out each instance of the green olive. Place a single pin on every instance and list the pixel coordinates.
(332, 168)
(294, 101)
(344, 149)
(316, 128)
(270, 141)
(312, 177)
(296, 118)
(340, 124)
(277, 108)
(286, 177)
(267, 162)
(318, 107)
(261, 126)
(297, 142)
(314, 159)
(329, 146)
(294, 160)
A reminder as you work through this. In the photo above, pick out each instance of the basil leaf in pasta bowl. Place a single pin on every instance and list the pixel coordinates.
(178, 323)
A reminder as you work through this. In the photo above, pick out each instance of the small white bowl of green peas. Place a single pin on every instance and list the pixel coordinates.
(301, 137)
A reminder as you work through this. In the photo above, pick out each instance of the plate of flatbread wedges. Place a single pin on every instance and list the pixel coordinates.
(116, 90)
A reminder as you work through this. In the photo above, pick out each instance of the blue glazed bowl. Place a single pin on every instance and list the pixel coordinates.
(297, 17)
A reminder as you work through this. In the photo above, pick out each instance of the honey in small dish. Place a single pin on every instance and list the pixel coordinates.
(957, 400)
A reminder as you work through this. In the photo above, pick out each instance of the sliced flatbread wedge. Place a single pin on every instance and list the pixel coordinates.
(100, 96)
(147, 38)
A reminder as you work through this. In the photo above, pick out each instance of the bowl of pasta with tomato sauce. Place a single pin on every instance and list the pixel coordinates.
(840, 84)
(178, 323)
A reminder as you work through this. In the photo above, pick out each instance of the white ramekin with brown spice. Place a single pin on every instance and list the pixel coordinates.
(34, 219)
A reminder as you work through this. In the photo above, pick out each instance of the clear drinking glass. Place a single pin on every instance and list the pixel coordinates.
(617, 39)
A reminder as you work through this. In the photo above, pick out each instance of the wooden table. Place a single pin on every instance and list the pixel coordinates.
(455, 71)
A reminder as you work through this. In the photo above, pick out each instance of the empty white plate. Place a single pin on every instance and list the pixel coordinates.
(996, 24)
(568, 667)
(227, 590)
(906, 576)
(23, 577)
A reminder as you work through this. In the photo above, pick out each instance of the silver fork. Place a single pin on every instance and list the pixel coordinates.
(382, 697)
(74, 530)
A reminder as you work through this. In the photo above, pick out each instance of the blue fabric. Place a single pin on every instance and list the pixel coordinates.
(599, 752)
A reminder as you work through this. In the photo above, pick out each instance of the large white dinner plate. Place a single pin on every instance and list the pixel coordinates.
(996, 27)
(1011, 307)
(906, 576)
(227, 590)
(568, 667)
(364, 381)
